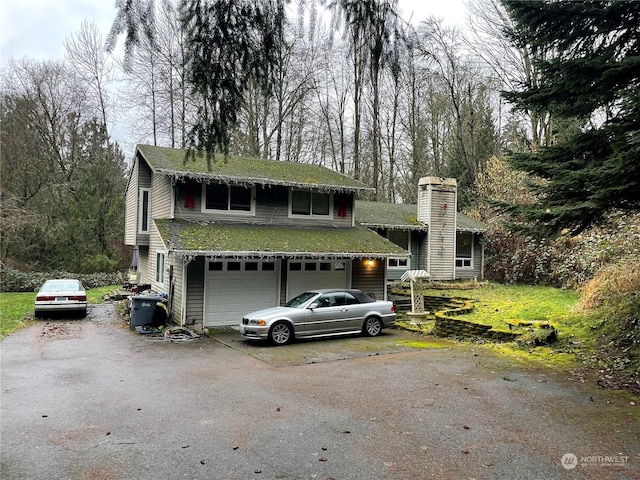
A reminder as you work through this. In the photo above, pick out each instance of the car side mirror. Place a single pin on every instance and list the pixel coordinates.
(313, 306)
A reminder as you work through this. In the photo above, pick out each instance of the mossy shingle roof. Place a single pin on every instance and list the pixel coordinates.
(405, 217)
(246, 171)
(388, 215)
(247, 240)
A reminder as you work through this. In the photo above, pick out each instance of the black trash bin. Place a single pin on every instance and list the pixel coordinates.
(143, 310)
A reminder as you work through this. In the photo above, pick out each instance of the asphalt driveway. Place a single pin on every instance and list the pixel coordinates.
(88, 399)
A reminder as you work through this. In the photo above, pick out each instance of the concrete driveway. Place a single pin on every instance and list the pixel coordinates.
(88, 399)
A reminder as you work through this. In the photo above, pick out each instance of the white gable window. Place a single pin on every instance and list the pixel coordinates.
(304, 203)
(228, 198)
(464, 250)
(144, 214)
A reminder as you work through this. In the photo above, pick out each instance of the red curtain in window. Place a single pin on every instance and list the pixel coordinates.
(342, 207)
(189, 196)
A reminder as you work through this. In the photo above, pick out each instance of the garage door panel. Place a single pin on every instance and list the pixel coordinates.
(231, 294)
(301, 280)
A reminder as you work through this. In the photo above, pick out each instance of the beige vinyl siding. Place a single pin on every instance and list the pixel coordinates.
(144, 174)
(131, 207)
(442, 235)
(195, 292)
(144, 265)
(369, 279)
(176, 286)
(424, 204)
(271, 207)
(156, 245)
(160, 197)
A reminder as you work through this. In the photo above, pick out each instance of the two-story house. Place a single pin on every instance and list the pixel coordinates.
(228, 237)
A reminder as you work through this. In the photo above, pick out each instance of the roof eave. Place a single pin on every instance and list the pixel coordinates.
(471, 230)
(237, 180)
(190, 254)
(395, 226)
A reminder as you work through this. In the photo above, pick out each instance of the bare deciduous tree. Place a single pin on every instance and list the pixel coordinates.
(487, 21)
(91, 65)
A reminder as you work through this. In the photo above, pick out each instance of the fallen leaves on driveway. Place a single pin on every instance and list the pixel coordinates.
(57, 330)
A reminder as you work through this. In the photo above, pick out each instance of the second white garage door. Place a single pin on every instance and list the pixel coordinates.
(233, 288)
(310, 274)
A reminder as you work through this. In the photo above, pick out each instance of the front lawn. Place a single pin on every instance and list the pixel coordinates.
(509, 307)
(16, 309)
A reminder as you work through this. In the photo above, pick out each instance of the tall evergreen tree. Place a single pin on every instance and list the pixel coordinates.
(591, 78)
(230, 44)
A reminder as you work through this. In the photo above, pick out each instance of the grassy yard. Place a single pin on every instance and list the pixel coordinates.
(503, 305)
(16, 309)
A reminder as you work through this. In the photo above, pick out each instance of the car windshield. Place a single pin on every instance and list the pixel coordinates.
(301, 299)
(64, 286)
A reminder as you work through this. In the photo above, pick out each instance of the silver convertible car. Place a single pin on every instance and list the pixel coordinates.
(318, 313)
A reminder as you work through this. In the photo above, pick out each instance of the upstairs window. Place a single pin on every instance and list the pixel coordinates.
(228, 198)
(143, 225)
(310, 204)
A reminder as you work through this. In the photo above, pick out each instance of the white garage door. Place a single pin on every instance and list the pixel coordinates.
(233, 288)
(307, 275)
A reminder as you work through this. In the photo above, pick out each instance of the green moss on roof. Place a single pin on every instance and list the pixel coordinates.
(404, 216)
(246, 170)
(265, 240)
(390, 215)
(468, 224)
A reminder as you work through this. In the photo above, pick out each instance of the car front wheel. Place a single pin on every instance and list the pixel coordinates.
(372, 327)
(281, 333)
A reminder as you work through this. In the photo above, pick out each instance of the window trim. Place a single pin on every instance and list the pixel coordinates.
(464, 260)
(329, 216)
(142, 191)
(228, 211)
(387, 235)
(398, 267)
(160, 272)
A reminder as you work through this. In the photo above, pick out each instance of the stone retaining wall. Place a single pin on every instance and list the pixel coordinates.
(445, 310)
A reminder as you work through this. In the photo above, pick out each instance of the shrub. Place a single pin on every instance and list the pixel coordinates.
(612, 284)
(512, 257)
(568, 262)
(98, 263)
(16, 281)
(614, 294)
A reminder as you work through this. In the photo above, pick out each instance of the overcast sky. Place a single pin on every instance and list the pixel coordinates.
(37, 29)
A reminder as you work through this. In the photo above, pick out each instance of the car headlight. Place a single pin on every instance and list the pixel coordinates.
(258, 322)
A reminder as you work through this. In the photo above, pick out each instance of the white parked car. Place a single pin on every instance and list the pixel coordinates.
(61, 295)
(318, 313)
